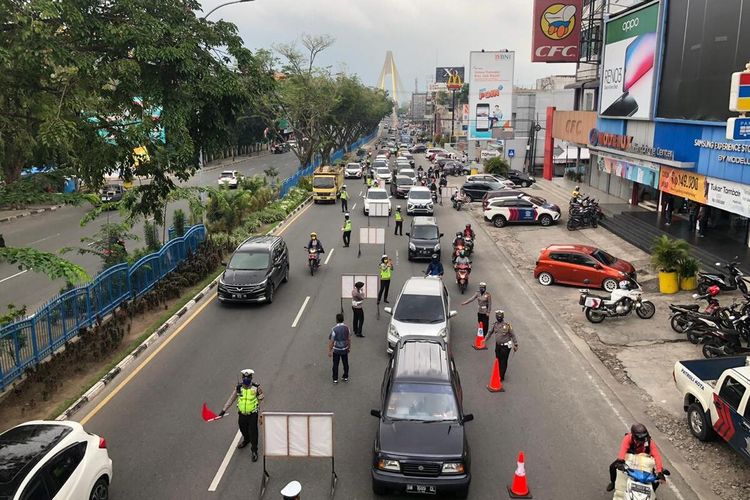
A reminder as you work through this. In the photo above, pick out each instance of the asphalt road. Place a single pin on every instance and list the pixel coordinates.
(52, 231)
(555, 408)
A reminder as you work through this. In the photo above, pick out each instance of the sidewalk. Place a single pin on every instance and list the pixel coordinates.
(638, 353)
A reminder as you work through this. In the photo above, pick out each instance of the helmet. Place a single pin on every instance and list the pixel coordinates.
(313, 235)
(499, 315)
(639, 432)
(624, 285)
(462, 253)
(384, 257)
(713, 290)
(577, 188)
(434, 256)
(398, 207)
(343, 186)
(247, 372)
(358, 285)
(468, 226)
(459, 233)
(482, 285)
(346, 215)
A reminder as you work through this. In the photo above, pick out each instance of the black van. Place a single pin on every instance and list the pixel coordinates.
(424, 238)
(420, 445)
(257, 267)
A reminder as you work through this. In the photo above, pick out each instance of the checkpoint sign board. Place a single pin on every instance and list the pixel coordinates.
(298, 434)
(379, 209)
(739, 92)
(370, 289)
(738, 129)
(372, 235)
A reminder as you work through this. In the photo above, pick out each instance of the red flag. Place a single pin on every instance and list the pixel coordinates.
(208, 415)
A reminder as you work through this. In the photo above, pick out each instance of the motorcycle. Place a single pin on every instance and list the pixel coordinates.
(583, 218)
(313, 259)
(681, 313)
(462, 276)
(621, 302)
(637, 478)
(457, 248)
(734, 281)
(468, 245)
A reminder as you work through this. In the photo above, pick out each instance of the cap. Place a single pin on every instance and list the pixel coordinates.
(291, 490)
(359, 284)
(384, 256)
(247, 372)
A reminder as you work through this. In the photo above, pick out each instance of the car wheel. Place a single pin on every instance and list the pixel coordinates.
(499, 221)
(545, 220)
(525, 184)
(100, 491)
(269, 294)
(698, 423)
(545, 279)
(609, 285)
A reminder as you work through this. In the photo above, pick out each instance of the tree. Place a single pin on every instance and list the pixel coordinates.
(496, 165)
(107, 244)
(49, 264)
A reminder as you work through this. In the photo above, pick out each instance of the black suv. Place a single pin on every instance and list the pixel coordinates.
(424, 238)
(257, 267)
(420, 445)
(520, 178)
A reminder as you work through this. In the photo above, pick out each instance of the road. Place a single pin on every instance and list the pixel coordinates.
(555, 408)
(52, 231)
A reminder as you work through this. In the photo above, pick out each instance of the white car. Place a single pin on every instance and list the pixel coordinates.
(409, 172)
(353, 171)
(491, 178)
(383, 174)
(376, 196)
(229, 178)
(53, 459)
(408, 157)
(422, 308)
(419, 201)
(402, 163)
(381, 158)
(501, 211)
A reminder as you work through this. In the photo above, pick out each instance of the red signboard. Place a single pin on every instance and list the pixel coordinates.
(556, 30)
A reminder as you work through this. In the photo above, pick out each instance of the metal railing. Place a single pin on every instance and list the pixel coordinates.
(27, 342)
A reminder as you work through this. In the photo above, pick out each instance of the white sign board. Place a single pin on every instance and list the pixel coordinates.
(298, 434)
(370, 289)
(727, 195)
(372, 235)
(379, 209)
(490, 93)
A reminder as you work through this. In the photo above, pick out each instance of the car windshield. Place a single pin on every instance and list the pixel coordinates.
(419, 309)
(423, 402)
(227, 175)
(419, 195)
(377, 195)
(384, 171)
(405, 182)
(249, 261)
(353, 166)
(603, 257)
(324, 182)
(425, 232)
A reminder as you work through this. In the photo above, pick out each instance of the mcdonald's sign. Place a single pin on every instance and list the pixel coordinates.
(447, 75)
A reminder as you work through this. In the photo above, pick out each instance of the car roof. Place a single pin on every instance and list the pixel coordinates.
(421, 188)
(404, 178)
(424, 221)
(422, 285)
(571, 248)
(375, 190)
(422, 359)
(353, 163)
(228, 171)
(259, 242)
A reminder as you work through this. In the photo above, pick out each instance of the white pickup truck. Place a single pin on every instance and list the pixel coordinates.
(716, 397)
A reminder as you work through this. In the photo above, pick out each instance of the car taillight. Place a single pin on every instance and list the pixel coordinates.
(102, 443)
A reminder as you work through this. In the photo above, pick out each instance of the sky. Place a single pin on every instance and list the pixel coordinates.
(422, 34)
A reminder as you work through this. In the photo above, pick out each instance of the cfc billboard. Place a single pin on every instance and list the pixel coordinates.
(490, 93)
(556, 31)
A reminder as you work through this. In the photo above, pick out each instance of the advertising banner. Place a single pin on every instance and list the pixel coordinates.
(629, 171)
(490, 93)
(444, 73)
(630, 44)
(556, 31)
(683, 184)
(730, 196)
(573, 126)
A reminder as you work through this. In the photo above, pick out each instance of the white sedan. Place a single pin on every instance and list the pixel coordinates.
(229, 178)
(377, 197)
(53, 459)
(383, 174)
(353, 171)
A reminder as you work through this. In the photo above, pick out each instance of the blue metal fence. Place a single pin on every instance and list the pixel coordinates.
(29, 341)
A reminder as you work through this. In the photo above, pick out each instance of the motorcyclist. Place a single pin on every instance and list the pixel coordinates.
(469, 232)
(636, 441)
(459, 239)
(435, 268)
(462, 260)
(576, 195)
(433, 188)
(315, 243)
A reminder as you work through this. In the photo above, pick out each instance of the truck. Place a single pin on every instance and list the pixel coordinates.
(327, 182)
(716, 399)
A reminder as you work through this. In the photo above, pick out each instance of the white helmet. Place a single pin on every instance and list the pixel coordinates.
(624, 285)
(247, 372)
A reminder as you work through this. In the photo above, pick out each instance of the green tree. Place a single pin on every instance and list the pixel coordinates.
(49, 264)
(107, 244)
(496, 165)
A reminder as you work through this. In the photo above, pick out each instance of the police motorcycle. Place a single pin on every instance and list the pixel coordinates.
(621, 302)
(637, 478)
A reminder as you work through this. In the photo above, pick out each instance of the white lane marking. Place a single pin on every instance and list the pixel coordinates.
(225, 462)
(13, 276)
(45, 238)
(353, 207)
(396, 257)
(301, 310)
(360, 193)
(329, 256)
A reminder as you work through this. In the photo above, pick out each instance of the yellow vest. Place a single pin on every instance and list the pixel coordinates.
(369, 182)
(247, 400)
(344, 195)
(348, 225)
(385, 272)
(397, 216)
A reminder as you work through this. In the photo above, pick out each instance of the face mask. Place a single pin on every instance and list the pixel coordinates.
(482, 290)
(247, 380)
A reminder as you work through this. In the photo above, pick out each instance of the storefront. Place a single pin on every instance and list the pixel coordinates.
(572, 129)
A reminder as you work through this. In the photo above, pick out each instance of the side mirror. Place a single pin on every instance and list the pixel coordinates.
(375, 413)
(597, 266)
(695, 295)
(408, 233)
(451, 314)
(388, 310)
(468, 417)
(441, 235)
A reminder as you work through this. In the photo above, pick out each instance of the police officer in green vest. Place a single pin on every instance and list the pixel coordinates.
(248, 395)
(385, 269)
(344, 199)
(369, 181)
(347, 229)
(399, 230)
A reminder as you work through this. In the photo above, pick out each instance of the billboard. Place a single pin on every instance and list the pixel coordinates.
(443, 74)
(490, 93)
(556, 31)
(628, 69)
(706, 42)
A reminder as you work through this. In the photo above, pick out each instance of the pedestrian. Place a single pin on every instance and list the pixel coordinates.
(505, 340)
(2, 241)
(344, 199)
(339, 345)
(347, 229)
(248, 395)
(399, 229)
(385, 269)
(358, 314)
(668, 207)
(702, 220)
(484, 300)
(692, 214)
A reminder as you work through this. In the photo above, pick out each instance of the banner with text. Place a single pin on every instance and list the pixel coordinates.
(683, 184)
(556, 31)
(490, 92)
(730, 196)
(629, 171)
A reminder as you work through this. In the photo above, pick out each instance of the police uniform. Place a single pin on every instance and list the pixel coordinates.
(344, 200)
(399, 229)
(248, 399)
(347, 231)
(505, 340)
(385, 270)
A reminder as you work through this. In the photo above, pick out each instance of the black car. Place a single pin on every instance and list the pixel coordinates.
(419, 148)
(424, 238)
(520, 179)
(476, 190)
(456, 168)
(257, 267)
(400, 188)
(420, 445)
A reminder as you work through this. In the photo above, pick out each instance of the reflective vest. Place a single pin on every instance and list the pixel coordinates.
(247, 399)
(385, 271)
(344, 195)
(348, 225)
(397, 216)
(369, 182)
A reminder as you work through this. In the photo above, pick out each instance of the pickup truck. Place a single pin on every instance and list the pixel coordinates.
(716, 398)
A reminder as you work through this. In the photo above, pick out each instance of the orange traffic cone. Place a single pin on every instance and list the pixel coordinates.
(495, 385)
(479, 344)
(519, 488)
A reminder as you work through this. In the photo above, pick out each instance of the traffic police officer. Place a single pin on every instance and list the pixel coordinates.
(344, 199)
(399, 230)
(347, 229)
(504, 341)
(385, 269)
(248, 395)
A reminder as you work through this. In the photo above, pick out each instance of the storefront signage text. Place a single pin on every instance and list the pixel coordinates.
(733, 147)
(625, 143)
(683, 184)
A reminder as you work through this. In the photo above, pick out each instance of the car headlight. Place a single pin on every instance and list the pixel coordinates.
(391, 465)
(443, 332)
(453, 468)
(412, 247)
(393, 331)
(437, 248)
(429, 204)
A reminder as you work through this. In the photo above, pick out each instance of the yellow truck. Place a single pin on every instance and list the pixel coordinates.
(327, 182)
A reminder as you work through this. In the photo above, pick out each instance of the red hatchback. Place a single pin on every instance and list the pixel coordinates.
(574, 264)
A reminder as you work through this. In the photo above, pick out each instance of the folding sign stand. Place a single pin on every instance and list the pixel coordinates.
(297, 435)
(371, 236)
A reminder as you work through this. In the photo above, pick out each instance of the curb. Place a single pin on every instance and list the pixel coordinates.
(99, 386)
(36, 211)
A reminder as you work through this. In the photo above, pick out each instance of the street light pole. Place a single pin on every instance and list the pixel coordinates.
(224, 5)
(453, 112)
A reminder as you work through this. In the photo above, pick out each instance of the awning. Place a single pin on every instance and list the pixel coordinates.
(586, 84)
(569, 155)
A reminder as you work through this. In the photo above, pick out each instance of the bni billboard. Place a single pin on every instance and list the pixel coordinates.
(490, 92)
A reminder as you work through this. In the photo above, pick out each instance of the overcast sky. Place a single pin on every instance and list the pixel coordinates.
(421, 33)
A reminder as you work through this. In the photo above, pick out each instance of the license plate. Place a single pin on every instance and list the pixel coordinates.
(238, 295)
(640, 488)
(423, 489)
